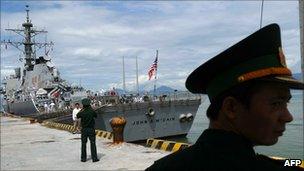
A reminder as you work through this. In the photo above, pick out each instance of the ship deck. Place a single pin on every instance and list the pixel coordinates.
(26, 146)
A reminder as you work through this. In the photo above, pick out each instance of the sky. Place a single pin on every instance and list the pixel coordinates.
(91, 37)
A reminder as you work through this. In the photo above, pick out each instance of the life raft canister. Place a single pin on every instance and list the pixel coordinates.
(150, 111)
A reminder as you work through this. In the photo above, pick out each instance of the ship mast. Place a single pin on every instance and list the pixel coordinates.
(301, 17)
(28, 33)
(123, 75)
(261, 18)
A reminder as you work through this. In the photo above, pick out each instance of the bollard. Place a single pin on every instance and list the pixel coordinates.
(118, 124)
(32, 121)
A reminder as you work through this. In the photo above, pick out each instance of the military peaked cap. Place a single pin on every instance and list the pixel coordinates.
(86, 102)
(259, 56)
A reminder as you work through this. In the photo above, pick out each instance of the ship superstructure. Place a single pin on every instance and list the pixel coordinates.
(37, 86)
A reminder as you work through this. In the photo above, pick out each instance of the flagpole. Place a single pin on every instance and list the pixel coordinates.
(155, 78)
(137, 86)
(301, 15)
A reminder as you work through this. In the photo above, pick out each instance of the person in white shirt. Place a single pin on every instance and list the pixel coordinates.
(75, 119)
(52, 107)
(46, 107)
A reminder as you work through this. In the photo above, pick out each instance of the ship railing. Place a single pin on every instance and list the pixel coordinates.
(99, 101)
(172, 96)
(34, 103)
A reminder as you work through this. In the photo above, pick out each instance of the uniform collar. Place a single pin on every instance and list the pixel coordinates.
(226, 141)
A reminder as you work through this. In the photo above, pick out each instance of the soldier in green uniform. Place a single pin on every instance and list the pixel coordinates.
(87, 115)
(248, 86)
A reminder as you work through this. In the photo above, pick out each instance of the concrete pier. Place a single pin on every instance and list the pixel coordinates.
(26, 146)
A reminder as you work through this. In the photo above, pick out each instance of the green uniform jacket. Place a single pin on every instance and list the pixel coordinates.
(218, 150)
(87, 116)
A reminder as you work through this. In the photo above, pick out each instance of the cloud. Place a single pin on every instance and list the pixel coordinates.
(88, 52)
(92, 37)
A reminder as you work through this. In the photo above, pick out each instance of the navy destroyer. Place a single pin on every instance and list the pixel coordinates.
(39, 84)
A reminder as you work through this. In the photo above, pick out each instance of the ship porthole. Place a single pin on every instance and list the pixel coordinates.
(189, 117)
(182, 118)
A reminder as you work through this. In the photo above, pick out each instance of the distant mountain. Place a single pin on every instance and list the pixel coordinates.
(162, 90)
(165, 89)
(119, 91)
(159, 90)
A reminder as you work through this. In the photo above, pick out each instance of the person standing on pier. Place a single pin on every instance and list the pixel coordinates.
(87, 116)
(75, 119)
(248, 86)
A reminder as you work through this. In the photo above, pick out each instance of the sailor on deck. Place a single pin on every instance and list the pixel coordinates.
(248, 86)
(52, 107)
(46, 107)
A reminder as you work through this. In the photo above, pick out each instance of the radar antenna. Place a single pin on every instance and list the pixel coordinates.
(28, 33)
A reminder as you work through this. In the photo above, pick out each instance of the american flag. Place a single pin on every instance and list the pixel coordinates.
(153, 68)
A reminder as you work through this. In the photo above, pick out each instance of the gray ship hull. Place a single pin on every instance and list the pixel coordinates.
(141, 126)
(20, 108)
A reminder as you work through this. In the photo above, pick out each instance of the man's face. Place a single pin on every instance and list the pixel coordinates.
(265, 118)
(77, 106)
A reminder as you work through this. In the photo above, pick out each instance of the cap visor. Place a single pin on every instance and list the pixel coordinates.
(287, 80)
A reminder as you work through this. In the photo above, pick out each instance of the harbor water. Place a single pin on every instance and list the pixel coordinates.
(290, 145)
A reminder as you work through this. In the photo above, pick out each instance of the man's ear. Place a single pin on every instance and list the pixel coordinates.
(230, 107)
